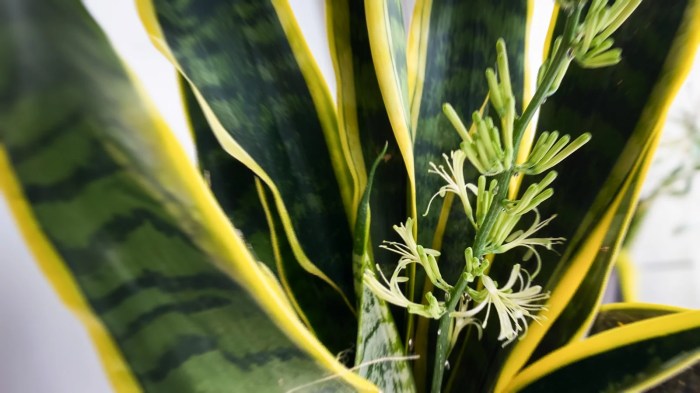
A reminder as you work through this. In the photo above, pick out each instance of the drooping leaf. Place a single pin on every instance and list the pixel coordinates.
(629, 358)
(623, 107)
(380, 353)
(248, 206)
(268, 107)
(126, 229)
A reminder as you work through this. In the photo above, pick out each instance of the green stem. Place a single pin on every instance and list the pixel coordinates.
(521, 123)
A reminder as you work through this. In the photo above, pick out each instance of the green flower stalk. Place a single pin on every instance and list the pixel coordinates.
(489, 145)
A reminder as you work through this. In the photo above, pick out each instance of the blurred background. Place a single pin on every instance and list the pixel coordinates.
(43, 347)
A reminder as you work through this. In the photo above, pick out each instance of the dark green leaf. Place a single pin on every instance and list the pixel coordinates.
(623, 107)
(453, 44)
(238, 56)
(246, 202)
(629, 358)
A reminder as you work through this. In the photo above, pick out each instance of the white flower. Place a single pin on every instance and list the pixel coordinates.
(412, 252)
(460, 322)
(455, 181)
(392, 293)
(522, 238)
(513, 307)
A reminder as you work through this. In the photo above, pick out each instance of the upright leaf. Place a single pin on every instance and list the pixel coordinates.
(380, 355)
(364, 120)
(268, 107)
(125, 228)
(457, 41)
(573, 323)
(247, 203)
(387, 40)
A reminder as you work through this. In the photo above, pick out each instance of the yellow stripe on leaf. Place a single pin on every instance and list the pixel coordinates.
(388, 63)
(346, 169)
(606, 341)
(54, 269)
(232, 147)
(677, 64)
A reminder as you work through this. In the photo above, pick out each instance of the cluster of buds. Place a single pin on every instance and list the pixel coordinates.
(593, 45)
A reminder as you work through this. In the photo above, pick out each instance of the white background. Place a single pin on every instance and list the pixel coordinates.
(43, 348)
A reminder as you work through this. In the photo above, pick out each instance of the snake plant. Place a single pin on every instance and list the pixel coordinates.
(246, 272)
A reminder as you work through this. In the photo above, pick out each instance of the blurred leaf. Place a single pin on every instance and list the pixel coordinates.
(268, 107)
(614, 315)
(126, 229)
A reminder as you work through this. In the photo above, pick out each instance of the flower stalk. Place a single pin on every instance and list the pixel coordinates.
(490, 148)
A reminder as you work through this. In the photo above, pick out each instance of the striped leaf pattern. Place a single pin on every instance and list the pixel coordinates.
(459, 44)
(363, 118)
(451, 44)
(254, 87)
(102, 182)
(387, 40)
(248, 205)
(184, 294)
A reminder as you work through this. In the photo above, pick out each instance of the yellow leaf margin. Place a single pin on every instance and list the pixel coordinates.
(676, 68)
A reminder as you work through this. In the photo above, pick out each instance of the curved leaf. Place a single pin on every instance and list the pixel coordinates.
(614, 315)
(630, 357)
(231, 182)
(624, 107)
(243, 198)
(265, 101)
(323, 311)
(126, 229)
